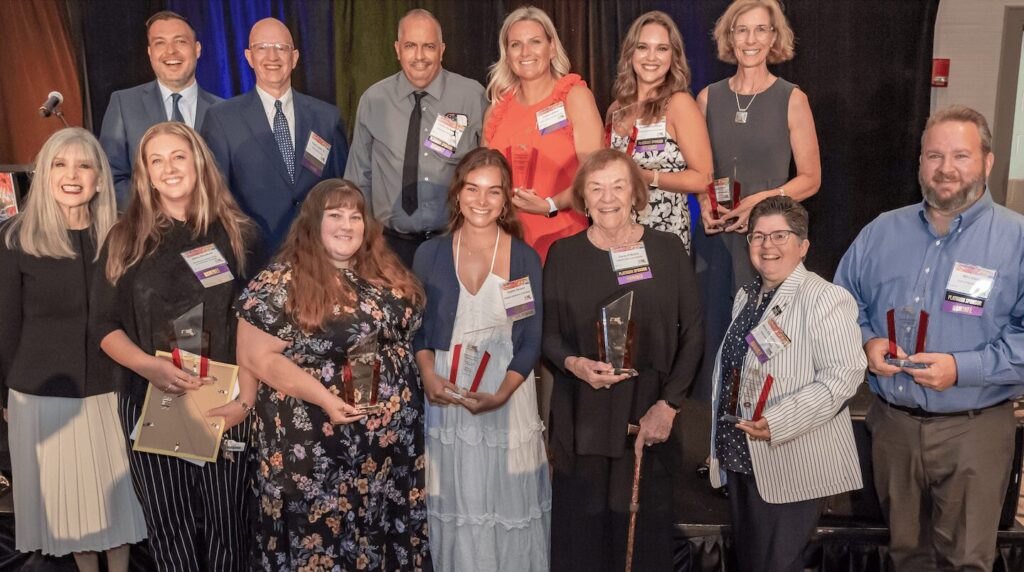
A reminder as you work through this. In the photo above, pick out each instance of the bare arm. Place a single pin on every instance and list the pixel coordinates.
(160, 372)
(687, 126)
(262, 354)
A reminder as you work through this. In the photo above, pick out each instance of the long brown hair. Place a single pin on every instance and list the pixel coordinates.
(677, 79)
(477, 159)
(144, 223)
(316, 284)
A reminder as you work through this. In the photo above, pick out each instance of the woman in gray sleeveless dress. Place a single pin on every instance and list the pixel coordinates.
(757, 122)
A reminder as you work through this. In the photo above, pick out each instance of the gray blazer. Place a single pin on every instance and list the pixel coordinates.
(129, 114)
(811, 453)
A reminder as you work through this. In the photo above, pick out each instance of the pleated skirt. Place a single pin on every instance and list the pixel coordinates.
(72, 487)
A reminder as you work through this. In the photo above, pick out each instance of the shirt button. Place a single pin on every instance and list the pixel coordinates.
(938, 243)
(426, 178)
(899, 387)
(917, 299)
(746, 404)
(424, 154)
(927, 270)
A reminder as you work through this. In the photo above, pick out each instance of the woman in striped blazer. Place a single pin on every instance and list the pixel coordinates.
(781, 435)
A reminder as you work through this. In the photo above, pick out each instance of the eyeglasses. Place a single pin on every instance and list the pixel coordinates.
(778, 237)
(760, 32)
(264, 47)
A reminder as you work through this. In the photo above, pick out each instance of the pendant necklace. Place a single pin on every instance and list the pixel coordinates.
(741, 112)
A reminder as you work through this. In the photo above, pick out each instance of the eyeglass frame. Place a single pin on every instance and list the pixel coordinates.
(763, 236)
(760, 31)
(261, 47)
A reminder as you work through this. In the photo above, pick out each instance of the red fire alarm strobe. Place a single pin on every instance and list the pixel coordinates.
(940, 72)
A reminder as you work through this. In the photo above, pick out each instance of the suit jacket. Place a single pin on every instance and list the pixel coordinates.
(811, 453)
(129, 114)
(240, 137)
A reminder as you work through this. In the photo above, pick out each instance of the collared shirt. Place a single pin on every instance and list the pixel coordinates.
(287, 106)
(731, 445)
(900, 261)
(377, 155)
(187, 104)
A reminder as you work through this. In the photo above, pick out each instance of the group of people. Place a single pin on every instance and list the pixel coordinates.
(519, 264)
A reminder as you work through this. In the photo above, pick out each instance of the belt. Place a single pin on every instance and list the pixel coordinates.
(412, 236)
(918, 412)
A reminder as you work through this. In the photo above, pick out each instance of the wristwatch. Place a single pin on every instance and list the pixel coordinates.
(552, 208)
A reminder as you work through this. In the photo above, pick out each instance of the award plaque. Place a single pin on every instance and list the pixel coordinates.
(361, 375)
(906, 326)
(723, 192)
(176, 424)
(523, 160)
(469, 360)
(616, 335)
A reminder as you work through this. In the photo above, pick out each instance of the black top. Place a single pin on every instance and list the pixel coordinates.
(44, 307)
(160, 288)
(669, 338)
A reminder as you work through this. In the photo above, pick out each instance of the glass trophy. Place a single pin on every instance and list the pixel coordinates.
(907, 329)
(616, 336)
(190, 346)
(469, 361)
(523, 160)
(361, 375)
(724, 192)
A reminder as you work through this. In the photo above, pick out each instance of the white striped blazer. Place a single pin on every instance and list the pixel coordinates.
(811, 453)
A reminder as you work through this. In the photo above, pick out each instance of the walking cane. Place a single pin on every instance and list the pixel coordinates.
(634, 501)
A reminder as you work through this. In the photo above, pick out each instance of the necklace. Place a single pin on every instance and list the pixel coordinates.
(741, 112)
(598, 233)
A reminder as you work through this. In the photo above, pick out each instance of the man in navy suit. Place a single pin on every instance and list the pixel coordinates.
(274, 144)
(173, 96)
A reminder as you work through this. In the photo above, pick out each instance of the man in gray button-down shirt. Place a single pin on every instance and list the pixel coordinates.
(378, 153)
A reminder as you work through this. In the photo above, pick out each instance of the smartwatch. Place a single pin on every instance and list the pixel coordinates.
(552, 208)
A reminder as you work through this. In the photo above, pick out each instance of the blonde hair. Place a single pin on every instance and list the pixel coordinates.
(141, 229)
(678, 79)
(782, 48)
(501, 77)
(40, 228)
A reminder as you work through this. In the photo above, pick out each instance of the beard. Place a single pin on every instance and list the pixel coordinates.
(970, 190)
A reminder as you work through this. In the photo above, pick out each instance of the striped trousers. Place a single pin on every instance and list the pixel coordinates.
(198, 517)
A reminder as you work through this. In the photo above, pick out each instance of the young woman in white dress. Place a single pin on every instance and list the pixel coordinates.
(488, 489)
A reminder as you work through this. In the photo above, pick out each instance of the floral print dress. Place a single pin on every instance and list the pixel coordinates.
(339, 497)
(667, 211)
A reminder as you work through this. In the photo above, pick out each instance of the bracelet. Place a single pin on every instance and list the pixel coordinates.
(245, 406)
(782, 191)
(654, 181)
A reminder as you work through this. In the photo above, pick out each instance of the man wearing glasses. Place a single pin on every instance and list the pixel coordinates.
(939, 287)
(173, 96)
(274, 144)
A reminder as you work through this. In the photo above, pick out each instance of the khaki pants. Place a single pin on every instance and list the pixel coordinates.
(941, 483)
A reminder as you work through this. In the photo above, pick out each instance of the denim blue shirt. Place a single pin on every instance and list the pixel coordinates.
(900, 261)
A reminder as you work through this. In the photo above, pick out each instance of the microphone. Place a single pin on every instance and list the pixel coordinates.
(52, 101)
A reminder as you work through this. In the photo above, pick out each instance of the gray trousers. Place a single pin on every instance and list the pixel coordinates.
(941, 483)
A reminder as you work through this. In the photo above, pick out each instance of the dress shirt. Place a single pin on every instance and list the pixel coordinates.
(287, 106)
(901, 261)
(187, 104)
(378, 146)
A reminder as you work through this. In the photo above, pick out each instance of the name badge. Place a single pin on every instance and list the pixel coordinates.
(552, 118)
(630, 263)
(767, 340)
(233, 446)
(444, 136)
(209, 265)
(968, 288)
(651, 137)
(315, 156)
(517, 297)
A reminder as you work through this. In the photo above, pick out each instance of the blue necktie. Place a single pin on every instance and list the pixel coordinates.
(284, 140)
(175, 110)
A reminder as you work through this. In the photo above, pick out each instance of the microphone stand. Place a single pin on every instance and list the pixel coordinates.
(60, 114)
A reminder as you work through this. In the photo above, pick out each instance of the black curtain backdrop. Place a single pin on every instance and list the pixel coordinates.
(864, 64)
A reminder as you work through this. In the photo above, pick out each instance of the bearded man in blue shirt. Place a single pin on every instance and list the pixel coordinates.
(943, 281)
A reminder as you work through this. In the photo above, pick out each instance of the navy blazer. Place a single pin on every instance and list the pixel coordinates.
(435, 266)
(129, 114)
(240, 137)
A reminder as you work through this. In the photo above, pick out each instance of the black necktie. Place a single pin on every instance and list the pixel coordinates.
(175, 110)
(410, 170)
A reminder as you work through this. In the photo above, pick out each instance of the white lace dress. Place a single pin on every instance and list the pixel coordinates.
(488, 488)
